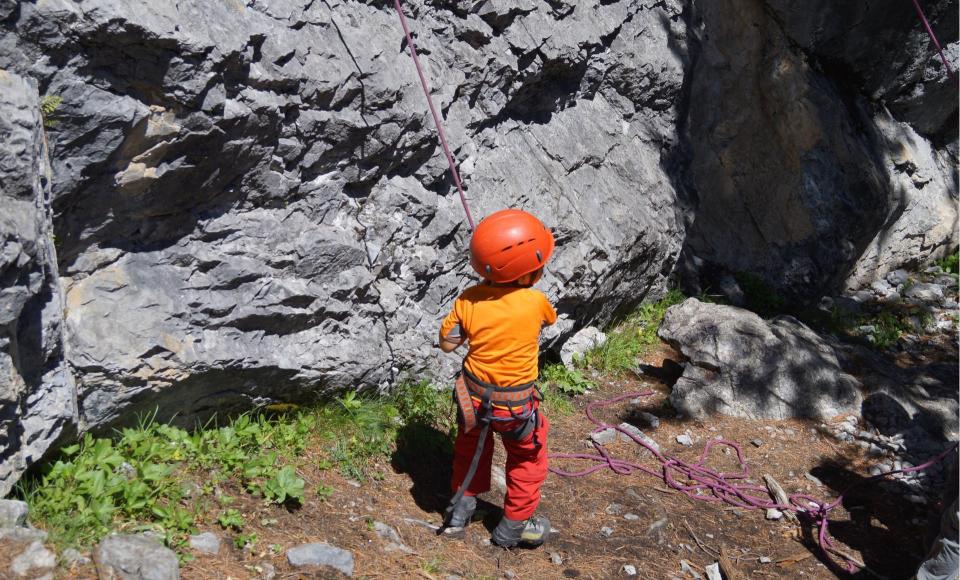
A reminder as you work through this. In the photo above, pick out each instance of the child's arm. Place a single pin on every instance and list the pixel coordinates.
(451, 331)
(452, 339)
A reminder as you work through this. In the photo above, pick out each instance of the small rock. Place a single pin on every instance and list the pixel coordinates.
(650, 419)
(685, 440)
(390, 535)
(206, 543)
(917, 499)
(813, 478)
(614, 509)
(608, 435)
(606, 531)
(924, 292)
(555, 559)
(875, 471)
(687, 569)
(584, 340)
(765, 560)
(509, 574)
(757, 442)
(638, 434)
(713, 571)
(629, 570)
(631, 517)
(13, 513)
(897, 277)
(774, 514)
(320, 554)
(267, 571)
(34, 560)
(71, 556)
(135, 557)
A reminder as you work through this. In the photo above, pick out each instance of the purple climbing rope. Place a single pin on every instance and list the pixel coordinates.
(436, 116)
(706, 484)
(933, 37)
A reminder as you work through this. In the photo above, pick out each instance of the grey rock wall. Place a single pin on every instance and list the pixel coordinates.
(817, 141)
(37, 404)
(251, 204)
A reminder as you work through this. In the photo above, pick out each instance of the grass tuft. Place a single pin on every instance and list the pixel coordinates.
(631, 338)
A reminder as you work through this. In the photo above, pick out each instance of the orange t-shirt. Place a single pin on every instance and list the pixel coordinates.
(502, 325)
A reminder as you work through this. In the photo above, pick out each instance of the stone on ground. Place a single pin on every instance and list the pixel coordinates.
(35, 560)
(584, 340)
(123, 557)
(206, 543)
(320, 554)
(742, 365)
(13, 513)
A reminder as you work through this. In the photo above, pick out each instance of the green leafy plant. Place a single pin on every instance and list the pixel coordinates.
(567, 381)
(241, 541)
(284, 487)
(950, 263)
(231, 519)
(48, 108)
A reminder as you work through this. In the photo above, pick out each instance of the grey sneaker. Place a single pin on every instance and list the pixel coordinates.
(458, 516)
(525, 533)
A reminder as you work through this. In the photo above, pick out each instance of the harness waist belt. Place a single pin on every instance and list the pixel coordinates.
(489, 394)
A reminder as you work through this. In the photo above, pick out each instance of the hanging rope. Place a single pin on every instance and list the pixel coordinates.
(933, 37)
(436, 116)
(699, 482)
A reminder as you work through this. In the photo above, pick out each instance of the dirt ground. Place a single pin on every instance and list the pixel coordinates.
(654, 530)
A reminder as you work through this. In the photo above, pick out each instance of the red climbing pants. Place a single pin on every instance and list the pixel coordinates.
(526, 467)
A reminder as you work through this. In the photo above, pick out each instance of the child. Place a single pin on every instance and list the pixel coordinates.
(501, 319)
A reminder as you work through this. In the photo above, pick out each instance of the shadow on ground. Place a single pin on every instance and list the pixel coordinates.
(876, 528)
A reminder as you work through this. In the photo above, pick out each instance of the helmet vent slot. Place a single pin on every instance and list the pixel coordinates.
(539, 256)
(505, 249)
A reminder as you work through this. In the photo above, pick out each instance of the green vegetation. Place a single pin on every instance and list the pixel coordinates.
(951, 263)
(761, 297)
(164, 478)
(48, 108)
(631, 338)
(881, 329)
(567, 381)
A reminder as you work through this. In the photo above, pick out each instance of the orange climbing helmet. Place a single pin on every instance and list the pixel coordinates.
(508, 244)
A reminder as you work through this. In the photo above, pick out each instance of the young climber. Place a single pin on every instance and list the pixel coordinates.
(500, 320)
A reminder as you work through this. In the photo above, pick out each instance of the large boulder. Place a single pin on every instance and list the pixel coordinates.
(736, 363)
(37, 398)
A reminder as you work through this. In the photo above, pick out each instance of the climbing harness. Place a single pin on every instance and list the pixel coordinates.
(525, 397)
(433, 111)
(706, 484)
(933, 37)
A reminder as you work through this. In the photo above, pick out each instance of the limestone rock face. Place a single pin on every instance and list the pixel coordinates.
(252, 206)
(817, 167)
(37, 404)
(739, 364)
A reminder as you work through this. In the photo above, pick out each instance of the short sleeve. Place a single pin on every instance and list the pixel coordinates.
(549, 314)
(451, 320)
